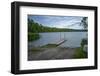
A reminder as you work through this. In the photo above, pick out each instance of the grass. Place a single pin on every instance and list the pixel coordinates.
(79, 53)
(33, 36)
(49, 45)
(36, 49)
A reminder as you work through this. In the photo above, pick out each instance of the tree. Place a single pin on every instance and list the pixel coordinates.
(84, 22)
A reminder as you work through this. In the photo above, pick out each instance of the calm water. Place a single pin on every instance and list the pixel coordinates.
(73, 39)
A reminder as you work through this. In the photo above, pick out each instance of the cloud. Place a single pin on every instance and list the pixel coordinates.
(57, 21)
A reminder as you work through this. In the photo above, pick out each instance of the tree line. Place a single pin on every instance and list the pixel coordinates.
(36, 28)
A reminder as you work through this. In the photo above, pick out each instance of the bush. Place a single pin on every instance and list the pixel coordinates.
(79, 53)
(84, 42)
(33, 36)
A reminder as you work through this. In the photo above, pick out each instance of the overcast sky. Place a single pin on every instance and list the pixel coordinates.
(58, 21)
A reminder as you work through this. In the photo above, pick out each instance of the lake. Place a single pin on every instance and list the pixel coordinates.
(73, 39)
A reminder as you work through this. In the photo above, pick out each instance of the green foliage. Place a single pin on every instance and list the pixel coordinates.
(33, 36)
(36, 28)
(83, 42)
(79, 53)
(84, 22)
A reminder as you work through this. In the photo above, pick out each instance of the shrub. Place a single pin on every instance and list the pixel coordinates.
(84, 42)
(33, 36)
(79, 53)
